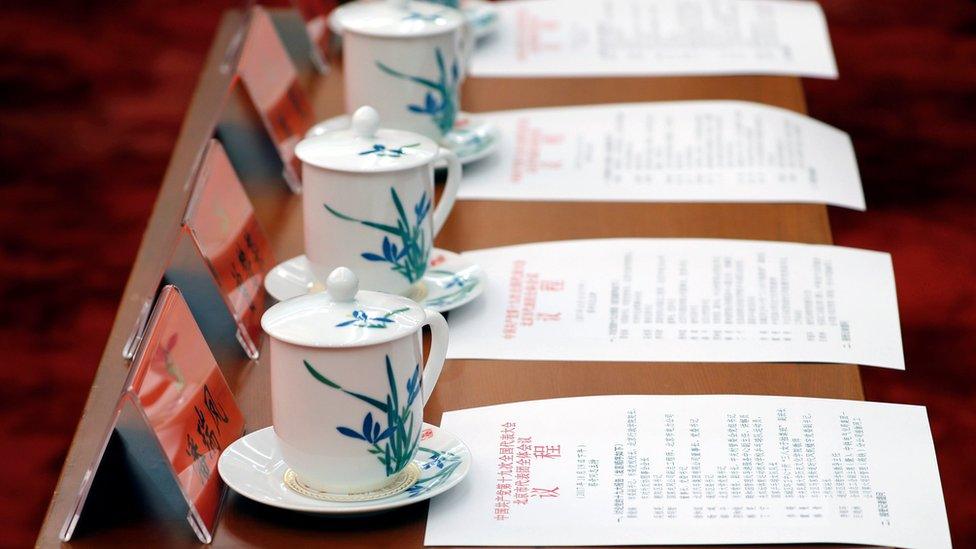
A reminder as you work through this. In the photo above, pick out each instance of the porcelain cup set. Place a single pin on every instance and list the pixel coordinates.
(347, 386)
(347, 399)
(368, 178)
(407, 59)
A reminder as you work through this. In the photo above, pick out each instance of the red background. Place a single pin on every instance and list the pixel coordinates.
(92, 95)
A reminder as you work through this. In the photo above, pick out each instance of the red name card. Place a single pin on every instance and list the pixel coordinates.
(174, 417)
(271, 81)
(316, 13)
(221, 233)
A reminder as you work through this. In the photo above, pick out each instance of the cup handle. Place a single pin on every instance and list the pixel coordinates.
(446, 202)
(438, 351)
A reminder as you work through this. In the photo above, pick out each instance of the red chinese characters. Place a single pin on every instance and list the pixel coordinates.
(271, 81)
(523, 300)
(516, 456)
(221, 222)
(547, 451)
(529, 144)
(552, 285)
(523, 470)
(505, 471)
(514, 299)
(186, 400)
(545, 492)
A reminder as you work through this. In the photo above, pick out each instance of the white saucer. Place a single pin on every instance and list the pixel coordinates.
(252, 466)
(481, 14)
(450, 281)
(471, 139)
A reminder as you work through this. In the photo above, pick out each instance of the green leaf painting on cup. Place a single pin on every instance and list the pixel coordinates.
(441, 100)
(361, 319)
(409, 256)
(395, 443)
(380, 149)
(429, 17)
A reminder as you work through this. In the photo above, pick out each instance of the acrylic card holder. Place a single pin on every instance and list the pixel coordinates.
(222, 255)
(174, 417)
(270, 80)
(315, 14)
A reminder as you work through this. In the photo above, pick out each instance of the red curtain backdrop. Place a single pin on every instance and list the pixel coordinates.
(91, 99)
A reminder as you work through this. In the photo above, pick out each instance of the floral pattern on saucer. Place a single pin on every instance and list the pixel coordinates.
(455, 288)
(253, 467)
(438, 469)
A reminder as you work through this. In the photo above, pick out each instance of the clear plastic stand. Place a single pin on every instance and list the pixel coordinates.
(173, 418)
(270, 80)
(222, 255)
(315, 14)
(138, 330)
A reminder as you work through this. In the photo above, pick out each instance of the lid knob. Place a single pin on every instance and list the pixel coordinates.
(342, 284)
(365, 121)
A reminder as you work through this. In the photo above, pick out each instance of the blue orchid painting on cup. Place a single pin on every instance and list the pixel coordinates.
(441, 100)
(380, 149)
(429, 17)
(361, 319)
(408, 257)
(395, 443)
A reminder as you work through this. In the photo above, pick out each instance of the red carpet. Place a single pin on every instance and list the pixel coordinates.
(92, 95)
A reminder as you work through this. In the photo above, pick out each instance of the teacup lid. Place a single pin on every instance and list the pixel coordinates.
(397, 18)
(343, 315)
(364, 147)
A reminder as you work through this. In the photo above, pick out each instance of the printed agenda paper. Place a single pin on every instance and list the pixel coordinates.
(681, 151)
(617, 470)
(550, 38)
(682, 300)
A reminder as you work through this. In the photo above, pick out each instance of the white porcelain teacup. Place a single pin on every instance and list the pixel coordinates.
(347, 389)
(406, 59)
(367, 200)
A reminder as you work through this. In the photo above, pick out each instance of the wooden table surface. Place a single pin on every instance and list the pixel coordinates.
(473, 224)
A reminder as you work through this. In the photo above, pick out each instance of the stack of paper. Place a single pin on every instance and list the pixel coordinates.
(693, 470)
(682, 151)
(682, 300)
(663, 37)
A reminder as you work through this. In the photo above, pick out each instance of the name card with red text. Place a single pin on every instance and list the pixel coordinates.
(682, 300)
(552, 38)
(711, 469)
(316, 13)
(271, 81)
(676, 151)
(175, 416)
(220, 222)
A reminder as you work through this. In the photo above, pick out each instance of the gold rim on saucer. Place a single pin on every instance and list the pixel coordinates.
(400, 483)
